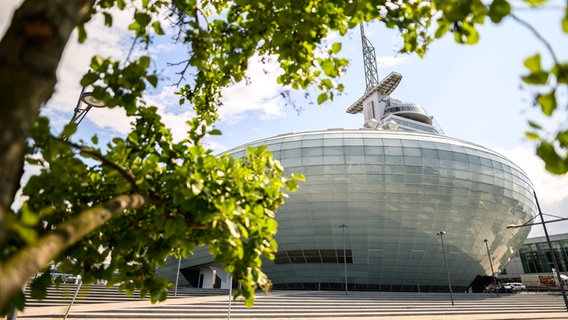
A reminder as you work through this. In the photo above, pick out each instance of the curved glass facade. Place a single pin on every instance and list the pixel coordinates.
(394, 190)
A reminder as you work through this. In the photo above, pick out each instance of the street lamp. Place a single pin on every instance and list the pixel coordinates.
(177, 276)
(343, 226)
(552, 254)
(85, 98)
(491, 264)
(441, 234)
(78, 114)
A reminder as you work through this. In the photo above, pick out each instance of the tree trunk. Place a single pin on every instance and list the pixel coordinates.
(33, 258)
(30, 52)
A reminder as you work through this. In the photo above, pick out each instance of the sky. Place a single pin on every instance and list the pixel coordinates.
(474, 92)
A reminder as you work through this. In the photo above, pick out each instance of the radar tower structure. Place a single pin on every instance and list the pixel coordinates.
(370, 62)
(382, 112)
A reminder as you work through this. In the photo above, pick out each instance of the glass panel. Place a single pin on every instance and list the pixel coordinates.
(308, 152)
(359, 150)
(332, 142)
(353, 141)
(392, 142)
(414, 152)
(333, 159)
(291, 153)
(394, 160)
(374, 150)
(310, 161)
(412, 160)
(332, 151)
(393, 151)
(312, 143)
(292, 144)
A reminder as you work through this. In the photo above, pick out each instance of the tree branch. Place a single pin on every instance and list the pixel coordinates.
(31, 259)
(537, 35)
(125, 174)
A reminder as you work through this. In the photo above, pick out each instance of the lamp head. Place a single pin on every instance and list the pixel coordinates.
(441, 233)
(87, 97)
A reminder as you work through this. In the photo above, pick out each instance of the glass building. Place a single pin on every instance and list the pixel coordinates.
(374, 199)
(535, 256)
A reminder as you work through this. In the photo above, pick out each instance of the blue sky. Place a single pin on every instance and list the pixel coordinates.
(472, 91)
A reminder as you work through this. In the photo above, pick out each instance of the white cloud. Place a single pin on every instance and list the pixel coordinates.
(385, 62)
(173, 115)
(551, 189)
(7, 8)
(75, 62)
(260, 96)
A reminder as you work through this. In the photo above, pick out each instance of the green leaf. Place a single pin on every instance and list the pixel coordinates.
(298, 176)
(535, 3)
(89, 78)
(553, 162)
(472, 36)
(153, 80)
(158, 28)
(28, 217)
(39, 286)
(81, 33)
(533, 63)
(142, 18)
(547, 102)
(108, 19)
(336, 47)
(560, 70)
(171, 227)
(532, 136)
(537, 78)
(562, 138)
(69, 129)
(534, 125)
(443, 28)
(499, 9)
(328, 68)
(215, 132)
(291, 185)
(322, 97)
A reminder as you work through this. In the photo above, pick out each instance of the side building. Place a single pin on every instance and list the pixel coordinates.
(376, 197)
(532, 264)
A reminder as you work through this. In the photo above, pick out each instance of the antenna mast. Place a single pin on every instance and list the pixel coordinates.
(370, 62)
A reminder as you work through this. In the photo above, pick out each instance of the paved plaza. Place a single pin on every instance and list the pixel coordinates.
(301, 305)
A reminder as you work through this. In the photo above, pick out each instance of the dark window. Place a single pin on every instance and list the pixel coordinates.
(313, 256)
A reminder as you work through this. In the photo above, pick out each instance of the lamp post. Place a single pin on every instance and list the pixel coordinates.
(343, 226)
(79, 114)
(87, 98)
(491, 264)
(552, 254)
(177, 276)
(230, 296)
(441, 234)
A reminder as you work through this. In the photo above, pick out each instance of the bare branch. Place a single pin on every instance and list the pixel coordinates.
(537, 35)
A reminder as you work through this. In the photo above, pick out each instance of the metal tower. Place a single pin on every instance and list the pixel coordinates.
(370, 62)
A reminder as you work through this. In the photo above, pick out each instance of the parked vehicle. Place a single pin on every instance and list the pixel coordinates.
(518, 286)
(511, 287)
